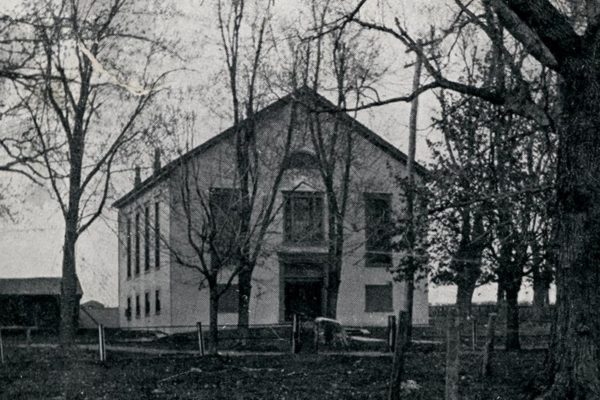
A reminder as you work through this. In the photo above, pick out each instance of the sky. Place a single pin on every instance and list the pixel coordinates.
(31, 244)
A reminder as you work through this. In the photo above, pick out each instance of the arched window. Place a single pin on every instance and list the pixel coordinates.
(302, 159)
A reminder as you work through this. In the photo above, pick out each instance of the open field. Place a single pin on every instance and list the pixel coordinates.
(33, 373)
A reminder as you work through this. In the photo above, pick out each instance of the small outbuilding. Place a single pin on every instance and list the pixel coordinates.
(32, 302)
(93, 313)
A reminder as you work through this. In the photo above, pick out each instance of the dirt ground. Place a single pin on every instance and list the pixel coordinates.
(46, 374)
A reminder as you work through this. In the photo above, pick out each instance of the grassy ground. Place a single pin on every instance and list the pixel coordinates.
(45, 374)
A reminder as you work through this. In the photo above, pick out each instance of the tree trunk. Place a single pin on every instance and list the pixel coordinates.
(410, 300)
(500, 295)
(69, 312)
(332, 295)
(213, 329)
(464, 297)
(395, 386)
(501, 301)
(541, 274)
(245, 290)
(512, 316)
(541, 293)
(577, 354)
(333, 286)
(335, 252)
(68, 298)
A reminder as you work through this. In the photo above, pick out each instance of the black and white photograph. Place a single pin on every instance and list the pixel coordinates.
(300, 199)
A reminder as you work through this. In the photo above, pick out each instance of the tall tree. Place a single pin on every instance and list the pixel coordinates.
(78, 66)
(210, 215)
(562, 36)
(244, 61)
(461, 232)
(331, 61)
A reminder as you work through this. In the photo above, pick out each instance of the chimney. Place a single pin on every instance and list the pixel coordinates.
(156, 160)
(138, 179)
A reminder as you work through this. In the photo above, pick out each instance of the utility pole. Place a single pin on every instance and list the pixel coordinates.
(404, 332)
(410, 194)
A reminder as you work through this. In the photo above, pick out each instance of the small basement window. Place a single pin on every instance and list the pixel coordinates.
(128, 309)
(147, 303)
(137, 305)
(157, 305)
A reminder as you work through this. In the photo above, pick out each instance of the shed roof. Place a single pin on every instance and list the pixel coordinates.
(305, 96)
(33, 286)
(91, 317)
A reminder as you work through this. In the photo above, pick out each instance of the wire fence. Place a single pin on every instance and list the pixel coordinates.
(301, 335)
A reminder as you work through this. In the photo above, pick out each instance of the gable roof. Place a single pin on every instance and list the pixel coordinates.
(305, 96)
(33, 286)
(91, 317)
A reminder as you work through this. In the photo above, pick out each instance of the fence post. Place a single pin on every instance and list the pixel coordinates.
(1, 348)
(295, 334)
(104, 342)
(316, 337)
(452, 357)
(474, 333)
(200, 338)
(101, 343)
(486, 369)
(28, 336)
(391, 328)
(400, 346)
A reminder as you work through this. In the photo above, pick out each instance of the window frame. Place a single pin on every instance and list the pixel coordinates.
(147, 306)
(157, 235)
(128, 248)
(369, 308)
(146, 238)
(137, 244)
(157, 302)
(138, 307)
(301, 159)
(218, 209)
(128, 309)
(232, 290)
(316, 217)
(372, 253)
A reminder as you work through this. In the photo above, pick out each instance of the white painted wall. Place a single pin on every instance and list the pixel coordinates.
(373, 171)
(153, 279)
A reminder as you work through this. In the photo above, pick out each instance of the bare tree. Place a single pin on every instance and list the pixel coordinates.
(560, 36)
(83, 102)
(213, 227)
(347, 62)
(243, 72)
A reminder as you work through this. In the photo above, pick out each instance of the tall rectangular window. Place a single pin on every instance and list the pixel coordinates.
(128, 248)
(157, 305)
(147, 303)
(379, 298)
(228, 302)
(156, 235)
(128, 309)
(378, 230)
(147, 238)
(303, 217)
(225, 215)
(137, 305)
(137, 243)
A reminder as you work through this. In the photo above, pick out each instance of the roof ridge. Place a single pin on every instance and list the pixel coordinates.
(303, 91)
